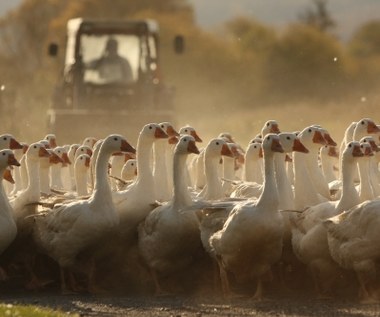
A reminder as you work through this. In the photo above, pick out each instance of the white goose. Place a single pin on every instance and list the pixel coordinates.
(309, 238)
(45, 164)
(252, 165)
(67, 230)
(251, 239)
(365, 188)
(56, 169)
(129, 170)
(135, 202)
(81, 167)
(374, 173)
(169, 238)
(8, 228)
(161, 170)
(213, 189)
(329, 157)
(305, 193)
(32, 193)
(353, 238)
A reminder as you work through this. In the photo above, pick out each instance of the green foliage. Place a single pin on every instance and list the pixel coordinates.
(29, 311)
(366, 40)
(305, 63)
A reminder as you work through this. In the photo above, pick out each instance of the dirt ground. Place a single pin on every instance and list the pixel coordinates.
(294, 304)
(195, 306)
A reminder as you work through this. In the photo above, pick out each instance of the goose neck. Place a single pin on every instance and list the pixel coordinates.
(181, 195)
(269, 196)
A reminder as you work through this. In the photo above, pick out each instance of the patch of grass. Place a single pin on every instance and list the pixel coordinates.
(9, 310)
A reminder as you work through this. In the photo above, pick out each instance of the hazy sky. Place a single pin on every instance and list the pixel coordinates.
(349, 14)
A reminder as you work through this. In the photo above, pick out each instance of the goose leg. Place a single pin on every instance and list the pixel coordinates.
(259, 290)
(224, 280)
(159, 291)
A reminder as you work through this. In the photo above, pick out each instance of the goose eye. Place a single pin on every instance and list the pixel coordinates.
(185, 140)
(132, 164)
(3, 154)
(255, 147)
(310, 130)
(35, 146)
(268, 124)
(115, 138)
(217, 143)
(350, 145)
(150, 127)
(288, 138)
(363, 122)
(5, 138)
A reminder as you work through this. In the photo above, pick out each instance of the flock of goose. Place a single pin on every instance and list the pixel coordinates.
(86, 215)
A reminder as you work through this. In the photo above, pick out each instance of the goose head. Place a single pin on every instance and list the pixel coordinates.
(90, 141)
(51, 139)
(152, 131)
(129, 169)
(352, 150)
(218, 147)
(169, 129)
(37, 150)
(312, 137)
(7, 141)
(271, 143)
(188, 130)
(7, 158)
(367, 149)
(83, 149)
(186, 145)
(62, 153)
(290, 142)
(116, 143)
(371, 141)
(364, 127)
(271, 126)
(82, 162)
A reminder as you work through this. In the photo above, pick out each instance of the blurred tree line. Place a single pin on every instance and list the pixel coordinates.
(245, 65)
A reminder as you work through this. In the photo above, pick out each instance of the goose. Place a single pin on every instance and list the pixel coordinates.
(315, 172)
(230, 168)
(309, 236)
(90, 141)
(270, 126)
(305, 193)
(117, 162)
(19, 153)
(213, 189)
(129, 170)
(374, 174)
(32, 192)
(251, 238)
(353, 239)
(45, 164)
(365, 188)
(65, 231)
(168, 239)
(8, 228)
(81, 166)
(329, 157)
(56, 169)
(51, 138)
(364, 127)
(252, 166)
(70, 180)
(135, 202)
(161, 174)
(195, 168)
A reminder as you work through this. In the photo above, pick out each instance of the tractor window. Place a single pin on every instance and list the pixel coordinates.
(110, 58)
